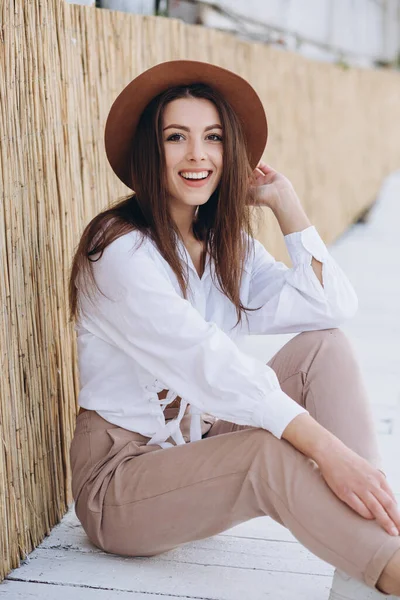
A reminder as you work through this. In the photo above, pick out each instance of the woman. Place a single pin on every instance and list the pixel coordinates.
(181, 435)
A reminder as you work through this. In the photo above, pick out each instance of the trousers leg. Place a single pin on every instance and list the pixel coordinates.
(319, 370)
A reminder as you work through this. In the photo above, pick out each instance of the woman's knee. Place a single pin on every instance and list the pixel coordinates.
(329, 341)
(320, 351)
(329, 336)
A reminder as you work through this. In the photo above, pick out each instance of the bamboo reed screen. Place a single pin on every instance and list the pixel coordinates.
(334, 132)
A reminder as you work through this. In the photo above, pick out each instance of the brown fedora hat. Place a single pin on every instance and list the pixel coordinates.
(126, 110)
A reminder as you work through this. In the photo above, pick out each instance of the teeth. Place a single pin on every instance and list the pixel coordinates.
(190, 175)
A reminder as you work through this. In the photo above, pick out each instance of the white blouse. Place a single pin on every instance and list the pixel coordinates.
(143, 337)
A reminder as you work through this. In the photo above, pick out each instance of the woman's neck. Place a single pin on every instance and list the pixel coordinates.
(184, 217)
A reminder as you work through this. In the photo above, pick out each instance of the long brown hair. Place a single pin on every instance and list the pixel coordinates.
(220, 222)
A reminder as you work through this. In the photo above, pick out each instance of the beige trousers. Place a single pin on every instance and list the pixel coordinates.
(137, 500)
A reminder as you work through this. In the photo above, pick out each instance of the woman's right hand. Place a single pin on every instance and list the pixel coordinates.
(360, 485)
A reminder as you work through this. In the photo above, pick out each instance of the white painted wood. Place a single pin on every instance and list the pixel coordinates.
(244, 553)
(22, 590)
(157, 576)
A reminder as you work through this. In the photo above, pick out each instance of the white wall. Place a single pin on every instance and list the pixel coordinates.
(362, 30)
(139, 7)
(83, 2)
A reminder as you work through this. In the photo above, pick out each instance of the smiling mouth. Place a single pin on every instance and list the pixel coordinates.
(190, 176)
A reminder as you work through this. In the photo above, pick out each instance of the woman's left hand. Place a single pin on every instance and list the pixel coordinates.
(271, 188)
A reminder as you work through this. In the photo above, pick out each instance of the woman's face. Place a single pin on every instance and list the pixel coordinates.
(192, 135)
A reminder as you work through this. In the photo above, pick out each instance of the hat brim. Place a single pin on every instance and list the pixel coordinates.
(126, 110)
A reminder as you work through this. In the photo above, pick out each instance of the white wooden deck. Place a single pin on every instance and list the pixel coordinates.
(258, 559)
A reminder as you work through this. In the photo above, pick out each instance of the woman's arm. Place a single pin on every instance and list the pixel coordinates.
(275, 191)
(315, 293)
(291, 217)
(353, 479)
(294, 300)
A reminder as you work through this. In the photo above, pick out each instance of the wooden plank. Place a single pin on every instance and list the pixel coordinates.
(229, 552)
(22, 590)
(152, 575)
(254, 544)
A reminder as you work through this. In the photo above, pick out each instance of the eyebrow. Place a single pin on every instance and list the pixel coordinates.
(175, 126)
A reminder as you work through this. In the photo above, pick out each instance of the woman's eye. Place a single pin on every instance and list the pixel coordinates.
(175, 137)
(215, 137)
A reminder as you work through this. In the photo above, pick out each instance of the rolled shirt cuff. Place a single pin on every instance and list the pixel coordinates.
(304, 244)
(279, 412)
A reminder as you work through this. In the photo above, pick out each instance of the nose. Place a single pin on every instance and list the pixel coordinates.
(196, 150)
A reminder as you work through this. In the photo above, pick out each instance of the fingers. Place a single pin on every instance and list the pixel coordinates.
(384, 511)
(264, 168)
(386, 487)
(263, 174)
(257, 173)
(374, 501)
(390, 506)
(358, 505)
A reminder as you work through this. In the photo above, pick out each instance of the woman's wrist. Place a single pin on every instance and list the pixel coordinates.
(310, 438)
(289, 212)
